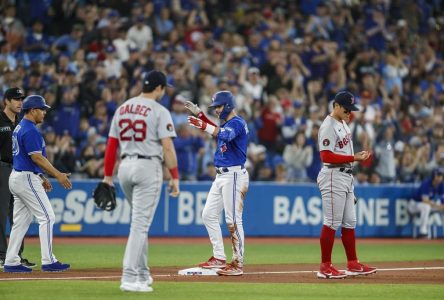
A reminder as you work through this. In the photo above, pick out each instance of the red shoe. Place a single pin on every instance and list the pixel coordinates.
(327, 271)
(355, 268)
(232, 269)
(214, 263)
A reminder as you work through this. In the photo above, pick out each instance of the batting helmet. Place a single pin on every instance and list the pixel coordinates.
(226, 99)
(34, 101)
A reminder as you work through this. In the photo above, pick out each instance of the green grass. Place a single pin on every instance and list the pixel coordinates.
(110, 256)
(96, 290)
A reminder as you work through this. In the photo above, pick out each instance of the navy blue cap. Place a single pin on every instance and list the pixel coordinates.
(346, 100)
(153, 79)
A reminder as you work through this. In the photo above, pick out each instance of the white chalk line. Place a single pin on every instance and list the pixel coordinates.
(175, 275)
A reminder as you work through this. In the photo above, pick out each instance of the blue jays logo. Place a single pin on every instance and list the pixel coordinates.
(223, 148)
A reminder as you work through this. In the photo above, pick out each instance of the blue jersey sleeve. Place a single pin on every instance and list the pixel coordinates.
(33, 142)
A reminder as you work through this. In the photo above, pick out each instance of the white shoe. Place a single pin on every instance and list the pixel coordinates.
(135, 287)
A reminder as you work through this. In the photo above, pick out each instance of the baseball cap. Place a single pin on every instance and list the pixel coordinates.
(346, 100)
(438, 171)
(14, 93)
(153, 79)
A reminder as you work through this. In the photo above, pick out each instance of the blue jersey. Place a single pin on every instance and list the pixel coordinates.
(232, 143)
(434, 193)
(26, 140)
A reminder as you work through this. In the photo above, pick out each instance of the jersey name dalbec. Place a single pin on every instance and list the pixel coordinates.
(137, 110)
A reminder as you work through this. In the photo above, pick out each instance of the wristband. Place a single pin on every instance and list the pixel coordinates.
(210, 129)
(174, 173)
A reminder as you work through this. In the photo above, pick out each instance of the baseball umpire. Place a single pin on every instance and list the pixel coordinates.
(143, 129)
(230, 187)
(335, 181)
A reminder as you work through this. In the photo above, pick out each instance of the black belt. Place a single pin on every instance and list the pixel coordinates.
(346, 170)
(27, 171)
(221, 170)
(138, 156)
(5, 164)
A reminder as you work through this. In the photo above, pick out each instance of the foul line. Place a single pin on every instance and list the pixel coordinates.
(175, 275)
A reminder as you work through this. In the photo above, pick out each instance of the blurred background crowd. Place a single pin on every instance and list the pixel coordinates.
(283, 61)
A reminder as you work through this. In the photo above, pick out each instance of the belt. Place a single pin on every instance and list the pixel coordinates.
(36, 173)
(138, 156)
(346, 170)
(5, 164)
(221, 170)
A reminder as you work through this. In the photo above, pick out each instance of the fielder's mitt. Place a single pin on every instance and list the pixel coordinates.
(105, 196)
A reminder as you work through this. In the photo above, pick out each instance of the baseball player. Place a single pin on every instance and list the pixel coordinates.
(231, 184)
(428, 199)
(144, 130)
(335, 181)
(29, 187)
(13, 99)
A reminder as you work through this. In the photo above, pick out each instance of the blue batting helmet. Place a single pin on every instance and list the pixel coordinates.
(34, 101)
(226, 99)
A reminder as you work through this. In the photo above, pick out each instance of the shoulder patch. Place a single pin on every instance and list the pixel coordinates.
(326, 142)
(169, 127)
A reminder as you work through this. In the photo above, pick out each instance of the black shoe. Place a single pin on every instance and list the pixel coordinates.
(27, 263)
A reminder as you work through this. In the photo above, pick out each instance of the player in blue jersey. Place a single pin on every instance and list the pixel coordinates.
(28, 186)
(429, 198)
(231, 184)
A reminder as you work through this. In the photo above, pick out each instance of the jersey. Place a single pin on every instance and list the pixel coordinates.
(434, 193)
(335, 136)
(139, 124)
(26, 140)
(232, 142)
(6, 129)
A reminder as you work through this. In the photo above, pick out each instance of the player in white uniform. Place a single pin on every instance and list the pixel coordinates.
(335, 181)
(28, 186)
(143, 129)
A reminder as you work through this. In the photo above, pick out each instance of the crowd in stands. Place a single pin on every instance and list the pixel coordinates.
(283, 60)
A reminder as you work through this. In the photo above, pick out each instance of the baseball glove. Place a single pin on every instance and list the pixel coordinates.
(105, 196)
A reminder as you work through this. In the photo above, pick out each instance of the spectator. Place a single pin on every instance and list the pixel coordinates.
(298, 157)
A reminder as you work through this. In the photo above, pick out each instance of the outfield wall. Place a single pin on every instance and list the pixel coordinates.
(270, 210)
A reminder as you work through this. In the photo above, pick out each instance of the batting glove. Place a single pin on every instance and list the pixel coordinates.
(202, 125)
(193, 108)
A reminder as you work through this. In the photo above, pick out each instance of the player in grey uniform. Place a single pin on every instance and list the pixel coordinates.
(335, 182)
(143, 129)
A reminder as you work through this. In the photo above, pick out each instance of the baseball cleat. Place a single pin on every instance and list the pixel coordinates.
(27, 263)
(232, 269)
(214, 263)
(355, 268)
(327, 271)
(16, 269)
(135, 287)
(55, 267)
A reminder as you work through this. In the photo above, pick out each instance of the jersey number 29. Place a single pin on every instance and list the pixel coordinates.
(138, 132)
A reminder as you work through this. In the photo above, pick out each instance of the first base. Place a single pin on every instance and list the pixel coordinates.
(198, 272)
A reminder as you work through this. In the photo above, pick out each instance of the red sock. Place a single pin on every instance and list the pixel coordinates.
(327, 240)
(349, 242)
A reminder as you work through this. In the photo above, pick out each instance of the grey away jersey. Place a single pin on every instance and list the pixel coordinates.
(335, 136)
(139, 124)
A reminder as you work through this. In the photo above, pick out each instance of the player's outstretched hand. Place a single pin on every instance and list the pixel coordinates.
(46, 184)
(173, 187)
(198, 123)
(363, 155)
(63, 179)
(193, 108)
